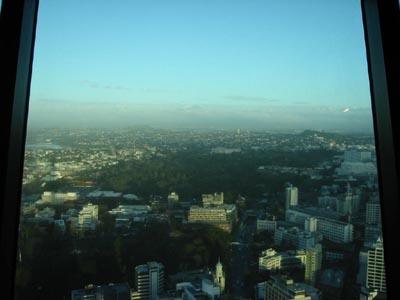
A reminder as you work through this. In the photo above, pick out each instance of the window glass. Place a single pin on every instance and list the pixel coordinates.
(200, 150)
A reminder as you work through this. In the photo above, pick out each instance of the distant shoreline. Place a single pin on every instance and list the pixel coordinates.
(43, 146)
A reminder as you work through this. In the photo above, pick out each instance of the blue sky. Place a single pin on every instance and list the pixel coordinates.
(209, 63)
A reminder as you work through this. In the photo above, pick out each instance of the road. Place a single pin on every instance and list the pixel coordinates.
(243, 238)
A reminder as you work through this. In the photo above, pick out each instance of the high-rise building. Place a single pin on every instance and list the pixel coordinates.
(149, 281)
(313, 264)
(373, 213)
(291, 197)
(310, 224)
(219, 276)
(376, 278)
(349, 202)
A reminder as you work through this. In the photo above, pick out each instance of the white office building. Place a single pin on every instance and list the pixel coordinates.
(335, 231)
(88, 217)
(291, 197)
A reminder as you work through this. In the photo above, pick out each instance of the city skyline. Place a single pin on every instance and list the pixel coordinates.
(179, 64)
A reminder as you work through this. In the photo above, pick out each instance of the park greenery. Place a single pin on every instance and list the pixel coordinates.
(51, 265)
(191, 174)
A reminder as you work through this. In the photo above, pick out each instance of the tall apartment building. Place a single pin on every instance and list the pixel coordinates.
(373, 221)
(373, 213)
(313, 264)
(291, 197)
(215, 199)
(376, 278)
(88, 216)
(284, 288)
(149, 281)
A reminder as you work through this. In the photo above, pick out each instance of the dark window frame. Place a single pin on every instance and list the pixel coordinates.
(17, 35)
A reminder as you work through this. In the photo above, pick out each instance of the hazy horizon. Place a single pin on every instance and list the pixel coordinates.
(211, 64)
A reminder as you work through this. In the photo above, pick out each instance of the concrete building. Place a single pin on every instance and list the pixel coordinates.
(349, 202)
(291, 197)
(313, 264)
(210, 200)
(366, 294)
(88, 217)
(130, 211)
(272, 260)
(372, 233)
(266, 225)
(373, 212)
(57, 198)
(331, 228)
(296, 238)
(104, 194)
(310, 260)
(299, 215)
(362, 267)
(327, 201)
(376, 278)
(310, 224)
(149, 281)
(212, 289)
(220, 216)
(357, 156)
(284, 288)
(198, 289)
(45, 215)
(260, 291)
(118, 291)
(173, 199)
(335, 231)
(356, 169)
